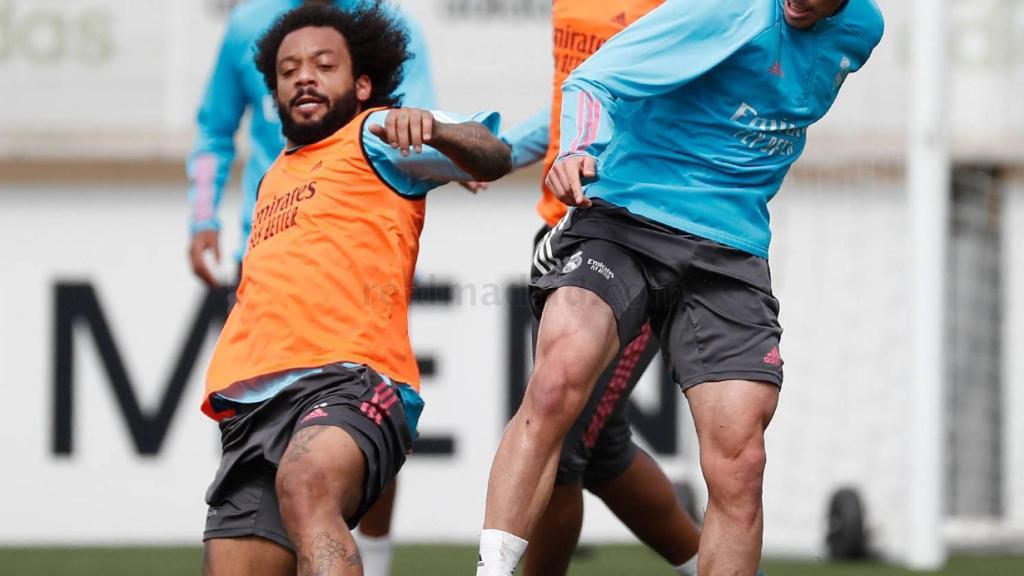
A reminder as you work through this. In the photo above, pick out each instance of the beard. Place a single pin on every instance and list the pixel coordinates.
(339, 113)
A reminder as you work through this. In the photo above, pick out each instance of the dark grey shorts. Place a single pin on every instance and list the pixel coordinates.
(710, 305)
(242, 498)
(600, 446)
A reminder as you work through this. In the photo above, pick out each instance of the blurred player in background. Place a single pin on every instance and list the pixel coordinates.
(234, 87)
(674, 137)
(313, 379)
(598, 452)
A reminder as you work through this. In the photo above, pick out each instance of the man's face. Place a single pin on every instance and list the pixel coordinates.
(806, 13)
(316, 93)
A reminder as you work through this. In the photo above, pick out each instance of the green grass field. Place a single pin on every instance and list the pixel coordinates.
(442, 560)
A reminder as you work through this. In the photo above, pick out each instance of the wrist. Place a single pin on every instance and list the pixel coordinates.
(440, 133)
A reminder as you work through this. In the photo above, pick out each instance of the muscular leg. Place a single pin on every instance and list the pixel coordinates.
(731, 418)
(319, 484)
(577, 340)
(373, 536)
(246, 556)
(556, 534)
(644, 499)
(376, 523)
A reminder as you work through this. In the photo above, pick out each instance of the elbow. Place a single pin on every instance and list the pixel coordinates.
(498, 165)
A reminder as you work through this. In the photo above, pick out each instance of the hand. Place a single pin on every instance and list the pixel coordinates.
(406, 127)
(202, 242)
(564, 179)
(474, 187)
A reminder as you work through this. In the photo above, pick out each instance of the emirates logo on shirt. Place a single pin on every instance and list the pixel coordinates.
(770, 136)
(279, 213)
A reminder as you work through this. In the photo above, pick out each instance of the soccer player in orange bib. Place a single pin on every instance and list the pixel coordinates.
(313, 379)
(598, 453)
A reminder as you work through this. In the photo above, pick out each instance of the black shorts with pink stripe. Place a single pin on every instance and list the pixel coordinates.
(599, 446)
(710, 305)
(243, 499)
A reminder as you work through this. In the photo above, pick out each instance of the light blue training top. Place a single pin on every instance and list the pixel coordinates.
(697, 111)
(235, 86)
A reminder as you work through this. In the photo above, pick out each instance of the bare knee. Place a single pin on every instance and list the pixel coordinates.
(303, 493)
(734, 472)
(554, 397)
(576, 341)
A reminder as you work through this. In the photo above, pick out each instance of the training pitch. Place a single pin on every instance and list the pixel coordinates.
(445, 560)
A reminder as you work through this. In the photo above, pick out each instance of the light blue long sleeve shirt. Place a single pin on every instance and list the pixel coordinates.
(697, 111)
(236, 86)
(529, 139)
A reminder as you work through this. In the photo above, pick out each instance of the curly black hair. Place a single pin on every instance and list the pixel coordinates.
(377, 42)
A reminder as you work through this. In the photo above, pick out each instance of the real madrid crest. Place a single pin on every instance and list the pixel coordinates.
(574, 262)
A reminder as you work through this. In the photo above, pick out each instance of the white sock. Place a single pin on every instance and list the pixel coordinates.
(688, 568)
(376, 554)
(499, 553)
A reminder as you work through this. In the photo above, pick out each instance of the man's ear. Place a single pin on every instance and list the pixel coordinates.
(364, 88)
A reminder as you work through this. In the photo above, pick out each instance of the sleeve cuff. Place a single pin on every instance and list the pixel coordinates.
(203, 225)
(489, 118)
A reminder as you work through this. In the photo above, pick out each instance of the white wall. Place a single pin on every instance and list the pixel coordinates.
(1013, 344)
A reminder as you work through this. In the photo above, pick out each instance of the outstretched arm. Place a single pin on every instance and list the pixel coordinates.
(473, 148)
(470, 146)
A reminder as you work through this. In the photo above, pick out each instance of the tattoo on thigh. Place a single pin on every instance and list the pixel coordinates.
(299, 445)
(320, 557)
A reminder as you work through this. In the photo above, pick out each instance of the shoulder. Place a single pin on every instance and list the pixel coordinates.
(730, 20)
(733, 14)
(864, 18)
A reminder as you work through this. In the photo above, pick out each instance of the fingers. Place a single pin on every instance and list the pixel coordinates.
(564, 179)
(427, 126)
(402, 126)
(557, 182)
(572, 176)
(589, 167)
(391, 126)
(207, 240)
(199, 267)
(587, 163)
(474, 187)
(416, 133)
(405, 129)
